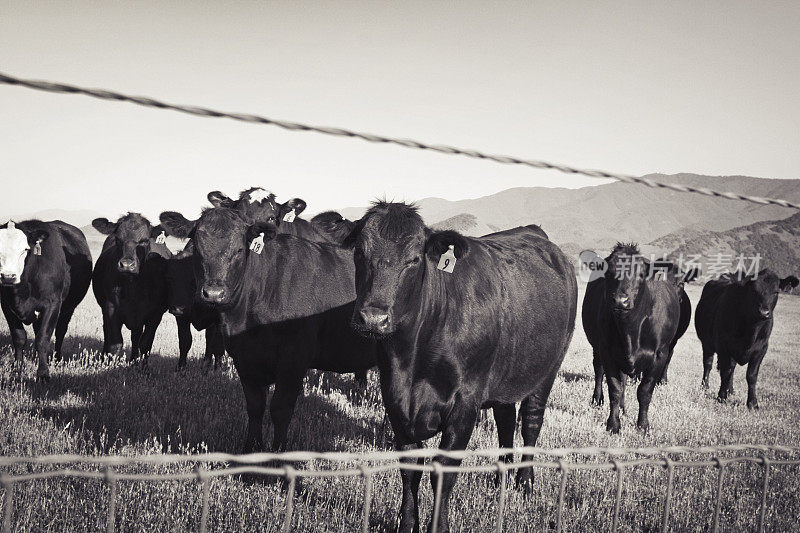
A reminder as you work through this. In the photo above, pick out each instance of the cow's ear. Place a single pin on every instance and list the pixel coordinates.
(350, 239)
(104, 226)
(295, 203)
(157, 230)
(691, 275)
(789, 283)
(37, 236)
(254, 230)
(176, 224)
(220, 199)
(439, 241)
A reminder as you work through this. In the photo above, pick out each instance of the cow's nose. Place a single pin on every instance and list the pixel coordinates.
(623, 302)
(375, 318)
(127, 265)
(8, 278)
(764, 313)
(213, 294)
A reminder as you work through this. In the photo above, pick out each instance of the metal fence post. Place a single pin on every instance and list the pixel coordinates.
(437, 497)
(762, 515)
(718, 505)
(112, 499)
(668, 496)
(618, 498)
(366, 473)
(502, 471)
(8, 511)
(205, 490)
(562, 488)
(291, 476)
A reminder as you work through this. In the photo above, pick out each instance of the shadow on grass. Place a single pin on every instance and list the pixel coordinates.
(156, 409)
(570, 377)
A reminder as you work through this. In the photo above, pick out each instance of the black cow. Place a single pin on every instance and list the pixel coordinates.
(491, 333)
(188, 310)
(260, 205)
(45, 270)
(734, 320)
(631, 320)
(334, 226)
(129, 282)
(284, 304)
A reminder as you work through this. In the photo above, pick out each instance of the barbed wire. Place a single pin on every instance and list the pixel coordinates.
(105, 94)
(281, 465)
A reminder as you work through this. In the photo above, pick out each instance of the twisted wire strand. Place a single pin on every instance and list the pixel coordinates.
(653, 456)
(369, 137)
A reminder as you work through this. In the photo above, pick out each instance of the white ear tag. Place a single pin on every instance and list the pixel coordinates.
(447, 261)
(289, 217)
(37, 248)
(257, 244)
(162, 238)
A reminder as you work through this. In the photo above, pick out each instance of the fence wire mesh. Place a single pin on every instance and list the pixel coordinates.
(292, 466)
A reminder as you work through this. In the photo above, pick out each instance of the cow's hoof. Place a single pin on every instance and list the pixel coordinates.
(720, 399)
(597, 401)
(612, 427)
(524, 481)
(704, 385)
(753, 406)
(643, 428)
(43, 378)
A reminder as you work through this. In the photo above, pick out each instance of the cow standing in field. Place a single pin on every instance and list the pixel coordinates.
(189, 311)
(129, 282)
(631, 321)
(284, 304)
(492, 332)
(45, 270)
(669, 272)
(734, 320)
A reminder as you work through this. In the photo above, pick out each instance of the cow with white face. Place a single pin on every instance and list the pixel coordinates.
(45, 270)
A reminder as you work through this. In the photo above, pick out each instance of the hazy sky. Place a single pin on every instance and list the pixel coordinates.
(633, 87)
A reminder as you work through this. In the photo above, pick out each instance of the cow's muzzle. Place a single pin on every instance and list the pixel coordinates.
(128, 266)
(373, 320)
(8, 279)
(213, 294)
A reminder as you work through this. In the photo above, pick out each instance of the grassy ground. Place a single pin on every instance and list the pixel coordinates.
(93, 407)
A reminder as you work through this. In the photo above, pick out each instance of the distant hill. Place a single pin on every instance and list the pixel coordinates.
(465, 223)
(777, 242)
(596, 217)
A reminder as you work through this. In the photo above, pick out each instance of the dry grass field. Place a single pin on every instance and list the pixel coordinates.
(107, 407)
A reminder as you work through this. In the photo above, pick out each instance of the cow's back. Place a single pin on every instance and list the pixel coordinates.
(78, 259)
(523, 292)
(708, 307)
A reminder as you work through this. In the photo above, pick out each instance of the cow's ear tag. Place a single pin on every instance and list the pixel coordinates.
(162, 238)
(447, 261)
(289, 217)
(257, 244)
(37, 248)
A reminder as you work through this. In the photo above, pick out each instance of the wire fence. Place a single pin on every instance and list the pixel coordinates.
(105, 94)
(287, 467)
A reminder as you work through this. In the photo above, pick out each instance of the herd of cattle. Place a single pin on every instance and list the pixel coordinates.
(454, 324)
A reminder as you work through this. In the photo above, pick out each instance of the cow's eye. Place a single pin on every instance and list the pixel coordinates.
(413, 261)
(144, 241)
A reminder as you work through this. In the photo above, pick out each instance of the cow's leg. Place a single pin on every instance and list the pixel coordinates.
(136, 339)
(726, 366)
(616, 396)
(645, 394)
(215, 345)
(61, 329)
(255, 397)
(663, 379)
(361, 379)
(184, 339)
(43, 326)
(149, 334)
(597, 397)
(531, 413)
(454, 437)
(281, 407)
(730, 383)
(409, 507)
(752, 378)
(112, 330)
(18, 335)
(505, 417)
(708, 361)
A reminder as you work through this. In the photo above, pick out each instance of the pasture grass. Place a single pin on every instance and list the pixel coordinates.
(93, 406)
